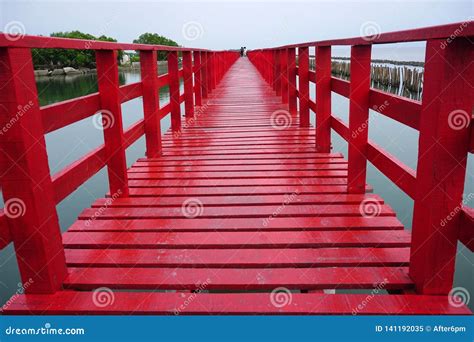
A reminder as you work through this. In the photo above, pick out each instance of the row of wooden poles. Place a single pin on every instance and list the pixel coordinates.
(400, 77)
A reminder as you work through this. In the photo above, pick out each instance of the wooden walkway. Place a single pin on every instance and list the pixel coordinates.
(239, 216)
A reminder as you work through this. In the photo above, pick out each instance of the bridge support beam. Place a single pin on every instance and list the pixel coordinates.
(303, 85)
(188, 84)
(151, 103)
(30, 206)
(292, 104)
(443, 147)
(197, 78)
(358, 118)
(323, 99)
(108, 82)
(173, 72)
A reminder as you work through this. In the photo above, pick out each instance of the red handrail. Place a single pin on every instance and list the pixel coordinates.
(30, 192)
(443, 119)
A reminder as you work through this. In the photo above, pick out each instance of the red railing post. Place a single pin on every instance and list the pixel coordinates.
(173, 72)
(151, 103)
(28, 192)
(111, 109)
(303, 85)
(445, 122)
(284, 75)
(213, 71)
(204, 74)
(358, 117)
(188, 84)
(292, 107)
(276, 59)
(323, 99)
(197, 78)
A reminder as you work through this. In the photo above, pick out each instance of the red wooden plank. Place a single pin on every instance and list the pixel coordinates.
(239, 258)
(206, 240)
(287, 199)
(155, 303)
(261, 156)
(146, 167)
(237, 190)
(130, 91)
(75, 174)
(240, 224)
(237, 175)
(228, 163)
(77, 109)
(239, 279)
(255, 182)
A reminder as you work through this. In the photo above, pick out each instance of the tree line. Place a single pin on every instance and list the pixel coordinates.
(52, 58)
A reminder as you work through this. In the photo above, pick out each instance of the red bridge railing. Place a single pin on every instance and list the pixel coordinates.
(30, 192)
(443, 119)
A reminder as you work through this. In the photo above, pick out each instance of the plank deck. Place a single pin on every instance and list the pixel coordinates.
(238, 203)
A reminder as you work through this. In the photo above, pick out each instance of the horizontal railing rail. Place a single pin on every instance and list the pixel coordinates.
(443, 119)
(29, 218)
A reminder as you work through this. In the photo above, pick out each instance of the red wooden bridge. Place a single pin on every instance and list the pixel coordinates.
(241, 207)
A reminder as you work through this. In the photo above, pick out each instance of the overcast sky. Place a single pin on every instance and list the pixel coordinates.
(230, 24)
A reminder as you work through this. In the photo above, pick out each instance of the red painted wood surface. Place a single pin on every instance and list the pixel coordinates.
(240, 197)
(174, 91)
(188, 84)
(442, 158)
(146, 303)
(111, 112)
(26, 182)
(358, 117)
(151, 102)
(303, 85)
(323, 99)
(197, 78)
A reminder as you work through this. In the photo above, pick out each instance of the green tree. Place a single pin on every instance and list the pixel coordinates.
(156, 39)
(68, 57)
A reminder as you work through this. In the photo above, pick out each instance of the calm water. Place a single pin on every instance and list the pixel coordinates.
(72, 142)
